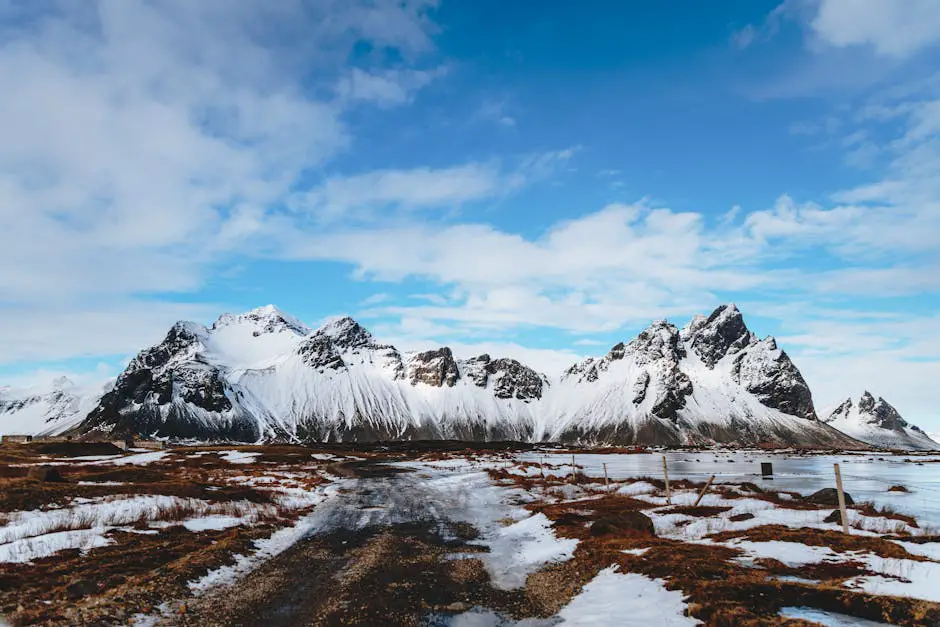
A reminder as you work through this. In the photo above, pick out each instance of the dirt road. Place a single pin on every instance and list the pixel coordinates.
(383, 554)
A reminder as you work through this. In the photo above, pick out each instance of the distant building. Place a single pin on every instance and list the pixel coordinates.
(16, 438)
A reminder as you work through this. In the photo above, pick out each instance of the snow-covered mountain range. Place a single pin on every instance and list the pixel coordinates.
(877, 423)
(47, 411)
(264, 375)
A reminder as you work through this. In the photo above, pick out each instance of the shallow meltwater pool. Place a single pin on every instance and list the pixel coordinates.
(866, 477)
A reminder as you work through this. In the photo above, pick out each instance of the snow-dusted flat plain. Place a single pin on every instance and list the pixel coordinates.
(214, 521)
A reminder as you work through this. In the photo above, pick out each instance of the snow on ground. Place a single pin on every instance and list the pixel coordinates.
(930, 550)
(684, 527)
(632, 598)
(29, 535)
(792, 554)
(139, 459)
(522, 548)
(30, 548)
(828, 619)
(465, 494)
(278, 542)
(215, 522)
(900, 578)
(239, 457)
(637, 487)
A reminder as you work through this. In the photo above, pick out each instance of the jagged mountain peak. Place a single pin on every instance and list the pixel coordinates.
(875, 421)
(267, 319)
(346, 333)
(722, 333)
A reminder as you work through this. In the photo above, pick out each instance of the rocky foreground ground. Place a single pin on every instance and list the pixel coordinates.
(283, 535)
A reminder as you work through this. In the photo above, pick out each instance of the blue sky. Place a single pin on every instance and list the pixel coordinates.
(533, 180)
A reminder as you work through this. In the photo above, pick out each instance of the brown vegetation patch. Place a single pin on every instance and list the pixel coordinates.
(114, 582)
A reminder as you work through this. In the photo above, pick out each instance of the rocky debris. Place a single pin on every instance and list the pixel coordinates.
(741, 517)
(627, 522)
(898, 488)
(436, 368)
(828, 496)
(46, 474)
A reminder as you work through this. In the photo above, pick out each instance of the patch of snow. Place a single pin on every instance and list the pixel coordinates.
(827, 619)
(239, 457)
(930, 550)
(792, 554)
(100, 483)
(216, 522)
(140, 459)
(637, 487)
(899, 577)
(30, 548)
(632, 598)
(522, 548)
(277, 543)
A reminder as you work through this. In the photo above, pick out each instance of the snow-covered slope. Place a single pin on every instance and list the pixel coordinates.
(713, 380)
(264, 375)
(879, 424)
(47, 410)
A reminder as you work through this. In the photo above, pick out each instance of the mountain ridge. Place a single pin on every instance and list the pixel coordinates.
(264, 375)
(877, 422)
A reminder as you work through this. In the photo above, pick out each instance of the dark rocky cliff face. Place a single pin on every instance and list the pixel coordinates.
(511, 379)
(435, 368)
(154, 396)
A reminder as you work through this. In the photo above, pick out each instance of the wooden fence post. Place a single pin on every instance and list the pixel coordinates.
(541, 466)
(704, 490)
(842, 512)
(666, 475)
(606, 481)
(572, 469)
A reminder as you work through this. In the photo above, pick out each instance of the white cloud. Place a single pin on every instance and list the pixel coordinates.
(141, 141)
(113, 327)
(744, 37)
(387, 87)
(892, 28)
(358, 196)
(410, 189)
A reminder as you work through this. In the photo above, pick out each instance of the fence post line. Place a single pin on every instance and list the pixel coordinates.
(704, 490)
(842, 512)
(666, 475)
